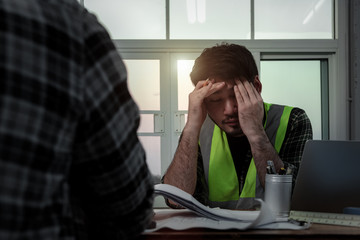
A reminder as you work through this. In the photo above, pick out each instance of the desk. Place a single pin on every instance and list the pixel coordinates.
(316, 231)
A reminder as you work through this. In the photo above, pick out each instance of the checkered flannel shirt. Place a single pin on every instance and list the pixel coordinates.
(71, 165)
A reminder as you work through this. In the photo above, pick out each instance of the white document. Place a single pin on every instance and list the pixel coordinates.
(199, 216)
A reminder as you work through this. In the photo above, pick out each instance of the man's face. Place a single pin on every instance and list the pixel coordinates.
(222, 108)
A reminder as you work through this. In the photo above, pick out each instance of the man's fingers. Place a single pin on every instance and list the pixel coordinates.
(238, 96)
(256, 93)
(206, 83)
(250, 90)
(214, 87)
(207, 87)
(243, 91)
(202, 83)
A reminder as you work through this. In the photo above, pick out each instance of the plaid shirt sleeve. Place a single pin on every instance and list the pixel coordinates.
(298, 133)
(110, 160)
(71, 164)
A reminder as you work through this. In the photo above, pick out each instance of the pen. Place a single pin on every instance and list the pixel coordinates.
(272, 167)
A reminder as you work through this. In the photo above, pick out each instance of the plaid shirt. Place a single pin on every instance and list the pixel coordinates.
(71, 165)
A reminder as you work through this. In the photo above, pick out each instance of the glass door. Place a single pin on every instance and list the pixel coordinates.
(181, 66)
(148, 82)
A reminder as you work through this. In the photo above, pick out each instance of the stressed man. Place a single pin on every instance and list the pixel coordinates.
(231, 133)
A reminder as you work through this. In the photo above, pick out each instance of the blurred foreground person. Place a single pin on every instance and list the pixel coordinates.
(71, 165)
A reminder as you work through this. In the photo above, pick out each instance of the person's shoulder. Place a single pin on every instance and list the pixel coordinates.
(69, 5)
(299, 116)
(296, 111)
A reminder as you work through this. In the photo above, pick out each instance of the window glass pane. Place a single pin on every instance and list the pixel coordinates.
(144, 82)
(294, 83)
(146, 123)
(185, 85)
(209, 19)
(284, 19)
(135, 19)
(151, 145)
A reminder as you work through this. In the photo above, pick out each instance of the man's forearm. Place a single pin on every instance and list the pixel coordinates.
(182, 171)
(262, 151)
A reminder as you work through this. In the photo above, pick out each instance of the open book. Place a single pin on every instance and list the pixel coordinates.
(220, 218)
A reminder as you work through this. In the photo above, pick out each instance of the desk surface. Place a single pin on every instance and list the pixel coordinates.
(316, 231)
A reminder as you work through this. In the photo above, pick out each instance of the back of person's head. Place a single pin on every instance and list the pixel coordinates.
(225, 61)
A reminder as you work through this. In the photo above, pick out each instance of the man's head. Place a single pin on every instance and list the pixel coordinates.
(225, 63)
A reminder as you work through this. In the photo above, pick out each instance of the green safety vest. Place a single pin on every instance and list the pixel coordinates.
(219, 168)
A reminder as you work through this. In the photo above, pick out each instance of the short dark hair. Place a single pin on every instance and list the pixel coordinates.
(227, 61)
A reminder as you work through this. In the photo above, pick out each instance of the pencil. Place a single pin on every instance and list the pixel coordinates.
(206, 83)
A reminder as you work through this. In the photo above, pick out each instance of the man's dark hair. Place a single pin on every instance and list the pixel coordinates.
(226, 61)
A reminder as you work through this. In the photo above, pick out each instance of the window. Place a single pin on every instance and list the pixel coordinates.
(296, 83)
(144, 86)
(216, 19)
(209, 19)
(184, 83)
(295, 43)
(136, 19)
(278, 19)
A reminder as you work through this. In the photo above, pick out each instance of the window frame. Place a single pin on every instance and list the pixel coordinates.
(325, 61)
(335, 51)
(165, 95)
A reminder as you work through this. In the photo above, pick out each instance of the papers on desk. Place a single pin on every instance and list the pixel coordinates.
(196, 215)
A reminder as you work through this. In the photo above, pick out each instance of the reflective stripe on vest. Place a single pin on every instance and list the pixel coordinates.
(220, 172)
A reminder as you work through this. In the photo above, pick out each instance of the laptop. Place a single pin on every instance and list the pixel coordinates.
(329, 177)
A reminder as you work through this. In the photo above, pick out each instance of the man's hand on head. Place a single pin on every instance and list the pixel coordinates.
(250, 108)
(197, 110)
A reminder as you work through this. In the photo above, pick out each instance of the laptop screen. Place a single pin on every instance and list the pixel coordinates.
(329, 177)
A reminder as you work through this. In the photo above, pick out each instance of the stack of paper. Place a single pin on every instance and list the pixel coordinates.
(215, 218)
